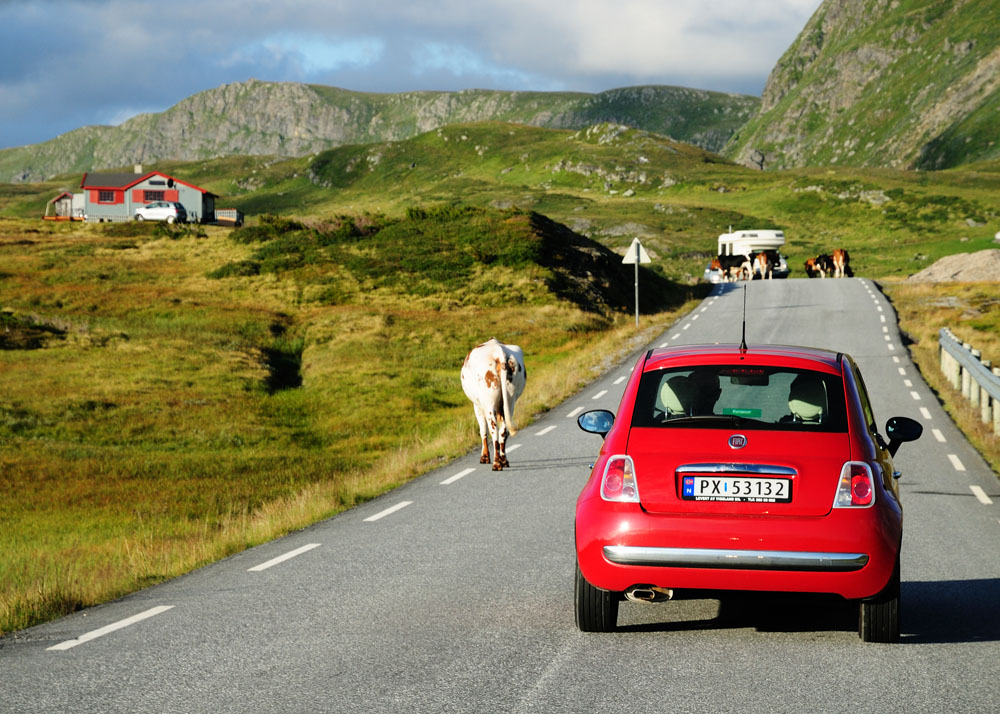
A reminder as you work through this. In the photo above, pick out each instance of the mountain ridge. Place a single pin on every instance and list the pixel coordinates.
(293, 119)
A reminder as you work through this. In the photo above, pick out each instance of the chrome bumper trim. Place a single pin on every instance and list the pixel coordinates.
(733, 468)
(735, 559)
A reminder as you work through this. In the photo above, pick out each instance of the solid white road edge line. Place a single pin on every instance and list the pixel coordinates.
(282, 558)
(387, 511)
(69, 644)
(460, 474)
(981, 495)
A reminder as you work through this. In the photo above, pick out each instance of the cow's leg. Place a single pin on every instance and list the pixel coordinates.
(491, 419)
(501, 445)
(484, 456)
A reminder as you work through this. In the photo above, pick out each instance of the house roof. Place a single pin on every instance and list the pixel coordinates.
(124, 180)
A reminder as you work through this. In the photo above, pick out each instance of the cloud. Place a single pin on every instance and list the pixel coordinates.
(66, 63)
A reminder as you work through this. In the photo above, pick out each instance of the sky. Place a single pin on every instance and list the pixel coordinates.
(65, 64)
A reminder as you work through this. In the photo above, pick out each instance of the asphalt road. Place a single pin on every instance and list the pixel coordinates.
(461, 598)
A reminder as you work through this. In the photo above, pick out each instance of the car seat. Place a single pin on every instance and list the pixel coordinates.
(675, 396)
(807, 399)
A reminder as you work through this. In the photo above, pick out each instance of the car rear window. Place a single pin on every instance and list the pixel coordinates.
(776, 398)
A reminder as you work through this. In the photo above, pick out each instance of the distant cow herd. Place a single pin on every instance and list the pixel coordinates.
(746, 267)
(837, 265)
(762, 265)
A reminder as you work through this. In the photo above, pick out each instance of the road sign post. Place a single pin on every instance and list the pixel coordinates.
(635, 255)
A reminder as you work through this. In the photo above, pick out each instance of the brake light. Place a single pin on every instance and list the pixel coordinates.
(618, 483)
(857, 486)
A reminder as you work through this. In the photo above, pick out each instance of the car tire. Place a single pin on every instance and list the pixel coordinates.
(139, 218)
(878, 617)
(596, 609)
(170, 219)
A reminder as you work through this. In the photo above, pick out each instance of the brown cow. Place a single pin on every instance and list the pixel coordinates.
(820, 265)
(733, 267)
(841, 264)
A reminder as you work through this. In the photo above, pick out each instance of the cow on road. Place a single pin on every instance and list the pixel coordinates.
(493, 377)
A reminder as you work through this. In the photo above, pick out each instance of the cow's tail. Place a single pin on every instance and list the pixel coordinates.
(507, 420)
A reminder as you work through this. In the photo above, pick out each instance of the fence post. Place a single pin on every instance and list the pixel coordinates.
(996, 409)
(973, 384)
(966, 377)
(986, 407)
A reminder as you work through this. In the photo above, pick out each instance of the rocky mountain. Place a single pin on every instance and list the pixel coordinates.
(890, 83)
(290, 119)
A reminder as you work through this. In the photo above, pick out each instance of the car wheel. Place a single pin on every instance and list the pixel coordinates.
(170, 219)
(878, 619)
(596, 609)
(138, 217)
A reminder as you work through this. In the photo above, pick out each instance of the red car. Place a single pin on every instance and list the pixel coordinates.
(742, 469)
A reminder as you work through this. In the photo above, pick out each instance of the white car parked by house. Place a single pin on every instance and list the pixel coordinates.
(169, 211)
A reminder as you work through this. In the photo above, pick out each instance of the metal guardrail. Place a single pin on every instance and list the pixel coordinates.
(978, 380)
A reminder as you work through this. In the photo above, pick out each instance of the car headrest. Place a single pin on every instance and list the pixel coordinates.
(807, 398)
(675, 395)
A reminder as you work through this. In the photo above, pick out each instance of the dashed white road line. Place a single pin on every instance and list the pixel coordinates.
(916, 397)
(513, 447)
(907, 383)
(69, 644)
(620, 379)
(925, 413)
(386, 512)
(956, 462)
(546, 430)
(938, 435)
(902, 371)
(282, 558)
(460, 474)
(574, 412)
(981, 495)
(599, 394)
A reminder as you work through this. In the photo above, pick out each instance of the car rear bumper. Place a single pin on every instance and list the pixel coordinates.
(849, 552)
(728, 558)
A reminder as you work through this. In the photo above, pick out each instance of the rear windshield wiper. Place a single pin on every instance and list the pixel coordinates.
(706, 419)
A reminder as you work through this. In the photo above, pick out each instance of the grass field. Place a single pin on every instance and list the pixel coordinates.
(168, 397)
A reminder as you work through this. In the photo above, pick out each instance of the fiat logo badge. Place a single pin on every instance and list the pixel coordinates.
(737, 441)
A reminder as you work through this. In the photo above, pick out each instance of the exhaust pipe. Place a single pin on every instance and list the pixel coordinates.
(649, 593)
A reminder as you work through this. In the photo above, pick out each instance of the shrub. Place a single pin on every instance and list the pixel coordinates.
(241, 268)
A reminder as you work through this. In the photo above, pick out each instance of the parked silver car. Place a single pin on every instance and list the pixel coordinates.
(169, 211)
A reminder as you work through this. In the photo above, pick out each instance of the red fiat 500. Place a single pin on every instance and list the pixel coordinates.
(742, 469)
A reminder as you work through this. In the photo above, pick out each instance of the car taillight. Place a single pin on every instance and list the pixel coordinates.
(618, 483)
(857, 486)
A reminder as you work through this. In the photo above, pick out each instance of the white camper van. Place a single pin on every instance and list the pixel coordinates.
(748, 243)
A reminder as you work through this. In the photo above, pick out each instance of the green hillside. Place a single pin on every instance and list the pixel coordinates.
(906, 84)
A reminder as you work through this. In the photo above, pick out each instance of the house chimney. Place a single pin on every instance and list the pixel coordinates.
(138, 168)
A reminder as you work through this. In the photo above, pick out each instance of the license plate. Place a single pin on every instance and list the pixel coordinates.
(736, 488)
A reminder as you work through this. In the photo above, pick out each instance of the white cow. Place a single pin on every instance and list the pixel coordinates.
(493, 377)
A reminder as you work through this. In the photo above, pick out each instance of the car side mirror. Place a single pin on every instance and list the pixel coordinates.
(900, 429)
(598, 421)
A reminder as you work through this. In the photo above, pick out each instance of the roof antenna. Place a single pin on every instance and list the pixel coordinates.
(743, 343)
